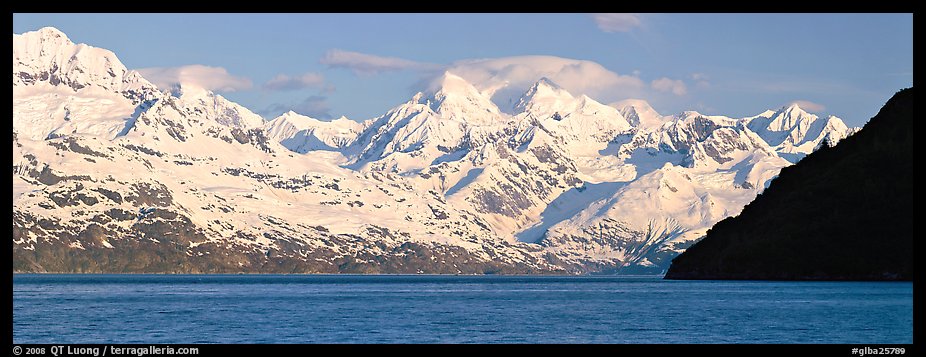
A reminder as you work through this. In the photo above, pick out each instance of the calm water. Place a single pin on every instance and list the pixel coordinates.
(453, 309)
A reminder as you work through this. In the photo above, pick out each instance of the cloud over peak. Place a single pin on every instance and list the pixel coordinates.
(506, 78)
(668, 85)
(808, 105)
(216, 79)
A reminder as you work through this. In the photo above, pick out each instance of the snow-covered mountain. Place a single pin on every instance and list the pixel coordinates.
(216, 108)
(111, 173)
(639, 113)
(72, 88)
(792, 131)
(585, 125)
(47, 55)
(302, 134)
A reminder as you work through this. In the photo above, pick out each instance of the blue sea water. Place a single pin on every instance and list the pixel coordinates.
(453, 309)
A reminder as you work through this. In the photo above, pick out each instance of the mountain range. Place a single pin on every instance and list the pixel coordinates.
(113, 174)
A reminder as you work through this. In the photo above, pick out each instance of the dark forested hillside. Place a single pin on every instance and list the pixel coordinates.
(841, 213)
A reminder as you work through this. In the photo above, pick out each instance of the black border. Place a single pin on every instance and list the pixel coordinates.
(482, 7)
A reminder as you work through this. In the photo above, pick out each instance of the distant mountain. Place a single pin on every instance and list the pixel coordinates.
(795, 133)
(302, 134)
(112, 174)
(639, 113)
(842, 213)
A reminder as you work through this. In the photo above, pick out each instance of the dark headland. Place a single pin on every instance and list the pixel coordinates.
(842, 213)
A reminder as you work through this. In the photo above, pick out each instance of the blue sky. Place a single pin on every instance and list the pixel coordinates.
(360, 65)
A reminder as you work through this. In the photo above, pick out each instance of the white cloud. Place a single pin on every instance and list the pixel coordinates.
(701, 80)
(367, 64)
(675, 86)
(216, 79)
(283, 82)
(507, 78)
(617, 22)
(808, 105)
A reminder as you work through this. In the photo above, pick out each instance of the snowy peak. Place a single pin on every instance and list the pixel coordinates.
(213, 107)
(544, 97)
(452, 84)
(412, 135)
(794, 132)
(835, 130)
(296, 120)
(455, 98)
(49, 36)
(47, 55)
(302, 133)
(765, 114)
(582, 125)
(793, 108)
(639, 113)
(835, 123)
(62, 88)
(789, 117)
(545, 89)
(302, 122)
(546, 83)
